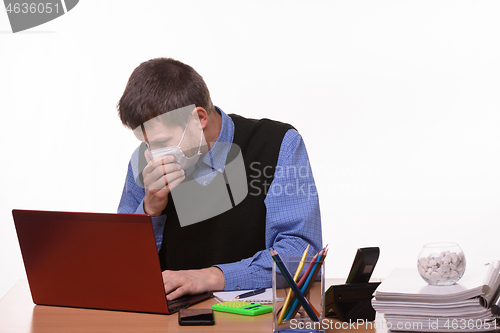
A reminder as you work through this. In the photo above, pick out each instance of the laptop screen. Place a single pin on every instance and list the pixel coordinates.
(91, 260)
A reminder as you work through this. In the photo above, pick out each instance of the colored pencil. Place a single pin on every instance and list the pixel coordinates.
(289, 279)
(295, 277)
(309, 282)
(285, 310)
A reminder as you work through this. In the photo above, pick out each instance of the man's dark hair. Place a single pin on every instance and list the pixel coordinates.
(160, 85)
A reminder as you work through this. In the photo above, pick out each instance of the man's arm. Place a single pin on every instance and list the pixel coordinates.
(132, 200)
(293, 218)
(176, 283)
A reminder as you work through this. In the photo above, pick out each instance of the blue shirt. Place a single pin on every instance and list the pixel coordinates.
(293, 217)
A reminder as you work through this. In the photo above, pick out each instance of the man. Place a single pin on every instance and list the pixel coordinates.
(168, 105)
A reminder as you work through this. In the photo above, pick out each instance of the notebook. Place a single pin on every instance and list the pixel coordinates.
(94, 260)
(264, 298)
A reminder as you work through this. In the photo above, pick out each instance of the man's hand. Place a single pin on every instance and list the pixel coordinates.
(191, 282)
(160, 177)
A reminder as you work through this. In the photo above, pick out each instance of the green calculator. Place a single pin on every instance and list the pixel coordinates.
(242, 308)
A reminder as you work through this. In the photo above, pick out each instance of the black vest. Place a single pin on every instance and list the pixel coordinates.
(239, 232)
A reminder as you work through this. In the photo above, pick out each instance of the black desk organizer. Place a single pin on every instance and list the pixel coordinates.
(353, 301)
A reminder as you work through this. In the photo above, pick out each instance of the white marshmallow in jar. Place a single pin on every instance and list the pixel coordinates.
(441, 264)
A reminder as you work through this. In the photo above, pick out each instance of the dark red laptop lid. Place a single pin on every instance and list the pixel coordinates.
(91, 260)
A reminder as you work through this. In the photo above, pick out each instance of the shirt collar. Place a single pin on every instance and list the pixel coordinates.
(216, 156)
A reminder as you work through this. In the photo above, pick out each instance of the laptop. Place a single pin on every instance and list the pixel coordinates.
(94, 260)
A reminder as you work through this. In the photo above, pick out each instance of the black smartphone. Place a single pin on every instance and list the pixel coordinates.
(192, 317)
(363, 265)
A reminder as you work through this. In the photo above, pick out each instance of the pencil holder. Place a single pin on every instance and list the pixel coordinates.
(291, 312)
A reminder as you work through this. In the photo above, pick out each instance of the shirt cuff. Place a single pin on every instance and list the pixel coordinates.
(237, 276)
(158, 223)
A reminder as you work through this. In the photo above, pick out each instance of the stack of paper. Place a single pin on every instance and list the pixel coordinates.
(410, 304)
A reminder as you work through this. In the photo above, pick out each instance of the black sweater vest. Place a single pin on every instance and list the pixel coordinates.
(239, 232)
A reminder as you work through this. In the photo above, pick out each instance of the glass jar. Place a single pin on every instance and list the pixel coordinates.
(441, 264)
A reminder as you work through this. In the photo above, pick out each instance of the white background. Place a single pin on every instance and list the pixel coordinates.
(397, 101)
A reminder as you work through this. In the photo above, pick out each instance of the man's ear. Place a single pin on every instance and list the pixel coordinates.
(202, 116)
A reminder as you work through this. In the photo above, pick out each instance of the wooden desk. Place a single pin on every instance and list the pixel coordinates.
(18, 314)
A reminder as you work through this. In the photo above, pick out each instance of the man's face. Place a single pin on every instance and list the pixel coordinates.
(161, 135)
